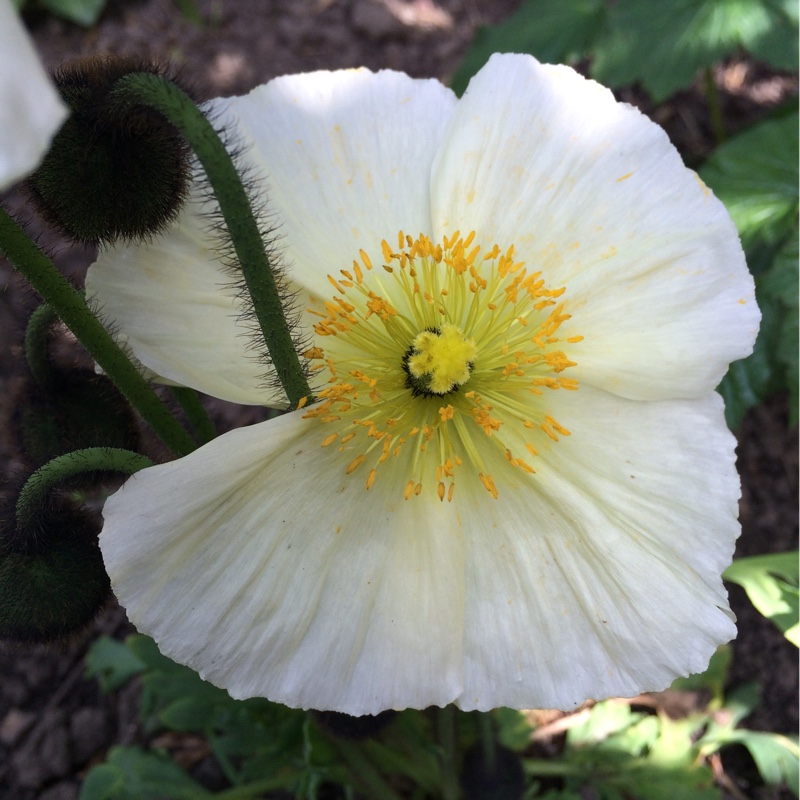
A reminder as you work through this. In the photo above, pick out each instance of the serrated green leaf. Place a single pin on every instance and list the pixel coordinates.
(81, 12)
(103, 782)
(555, 31)
(112, 663)
(771, 583)
(756, 175)
(663, 44)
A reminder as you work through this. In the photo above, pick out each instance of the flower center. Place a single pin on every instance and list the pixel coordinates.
(438, 361)
(408, 388)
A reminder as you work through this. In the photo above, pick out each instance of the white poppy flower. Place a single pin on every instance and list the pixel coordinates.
(30, 109)
(517, 487)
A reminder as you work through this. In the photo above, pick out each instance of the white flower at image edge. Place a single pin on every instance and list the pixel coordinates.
(516, 486)
(30, 109)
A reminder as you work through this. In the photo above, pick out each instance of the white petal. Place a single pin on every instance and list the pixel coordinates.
(603, 577)
(592, 193)
(346, 157)
(257, 561)
(177, 310)
(30, 109)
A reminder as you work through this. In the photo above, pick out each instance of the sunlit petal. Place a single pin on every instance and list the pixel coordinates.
(30, 109)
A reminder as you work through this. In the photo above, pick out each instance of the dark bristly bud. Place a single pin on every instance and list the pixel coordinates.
(344, 726)
(52, 578)
(502, 780)
(116, 170)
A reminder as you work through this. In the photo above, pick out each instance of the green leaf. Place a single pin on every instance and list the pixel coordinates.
(756, 175)
(82, 12)
(754, 378)
(103, 782)
(777, 757)
(780, 284)
(771, 583)
(513, 729)
(152, 776)
(112, 663)
(555, 31)
(663, 44)
(189, 714)
(603, 719)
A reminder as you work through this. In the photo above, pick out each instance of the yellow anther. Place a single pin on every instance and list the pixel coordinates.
(355, 464)
(488, 484)
(481, 318)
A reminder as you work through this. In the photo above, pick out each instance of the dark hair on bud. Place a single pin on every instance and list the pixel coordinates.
(52, 579)
(344, 726)
(115, 170)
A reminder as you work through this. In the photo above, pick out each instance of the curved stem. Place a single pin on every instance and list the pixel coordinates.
(36, 333)
(251, 254)
(196, 414)
(73, 311)
(60, 468)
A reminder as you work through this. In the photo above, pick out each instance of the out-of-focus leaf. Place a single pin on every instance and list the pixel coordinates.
(780, 284)
(754, 378)
(112, 663)
(604, 719)
(142, 776)
(777, 757)
(104, 782)
(82, 12)
(663, 44)
(756, 175)
(555, 31)
(771, 583)
(513, 729)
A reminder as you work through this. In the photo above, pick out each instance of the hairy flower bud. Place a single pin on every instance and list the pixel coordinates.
(116, 169)
(52, 578)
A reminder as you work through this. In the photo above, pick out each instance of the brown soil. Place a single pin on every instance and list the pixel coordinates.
(54, 723)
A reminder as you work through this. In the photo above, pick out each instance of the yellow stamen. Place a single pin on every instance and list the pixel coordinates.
(403, 343)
